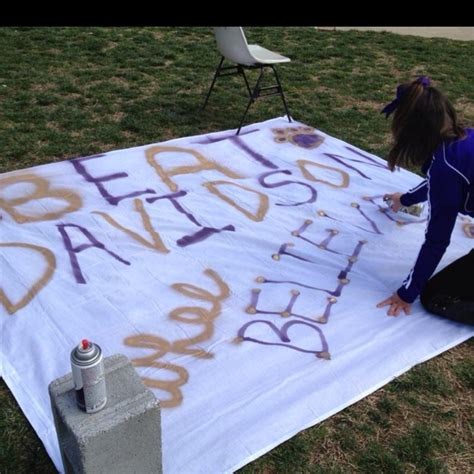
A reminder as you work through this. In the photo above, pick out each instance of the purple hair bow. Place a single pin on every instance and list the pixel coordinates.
(389, 108)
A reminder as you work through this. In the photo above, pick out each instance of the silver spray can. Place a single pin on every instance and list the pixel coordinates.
(413, 210)
(88, 376)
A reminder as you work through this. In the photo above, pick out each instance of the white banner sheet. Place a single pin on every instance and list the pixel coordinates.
(240, 274)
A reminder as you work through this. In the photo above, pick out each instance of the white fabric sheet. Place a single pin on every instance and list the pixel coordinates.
(179, 247)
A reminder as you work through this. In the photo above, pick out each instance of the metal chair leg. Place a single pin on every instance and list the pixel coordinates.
(216, 74)
(253, 97)
(242, 71)
(281, 94)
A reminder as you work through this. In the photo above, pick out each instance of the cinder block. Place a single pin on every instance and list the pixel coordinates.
(124, 437)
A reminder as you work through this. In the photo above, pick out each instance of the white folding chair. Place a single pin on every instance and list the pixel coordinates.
(232, 45)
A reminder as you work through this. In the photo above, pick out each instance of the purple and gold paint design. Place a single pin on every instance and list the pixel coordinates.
(387, 212)
(201, 234)
(355, 205)
(303, 137)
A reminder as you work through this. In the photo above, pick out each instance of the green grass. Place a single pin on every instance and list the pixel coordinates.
(67, 92)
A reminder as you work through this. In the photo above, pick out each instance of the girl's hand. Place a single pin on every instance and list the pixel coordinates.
(395, 197)
(396, 305)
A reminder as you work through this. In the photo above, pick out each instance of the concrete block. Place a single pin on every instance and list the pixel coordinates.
(122, 438)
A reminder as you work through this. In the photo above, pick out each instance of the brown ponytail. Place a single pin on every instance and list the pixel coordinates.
(423, 119)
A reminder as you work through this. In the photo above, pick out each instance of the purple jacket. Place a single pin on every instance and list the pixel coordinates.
(449, 189)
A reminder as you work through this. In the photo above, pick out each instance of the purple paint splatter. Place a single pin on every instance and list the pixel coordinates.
(283, 336)
(313, 192)
(72, 251)
(114, 200)
(201, 235)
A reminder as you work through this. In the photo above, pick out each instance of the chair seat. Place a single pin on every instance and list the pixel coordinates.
(233, 46)
(265, 56)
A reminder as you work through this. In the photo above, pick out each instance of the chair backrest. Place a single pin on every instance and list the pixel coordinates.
(232, 44)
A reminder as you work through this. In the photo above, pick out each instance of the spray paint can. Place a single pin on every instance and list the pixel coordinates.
(413, 210)
(88, 376)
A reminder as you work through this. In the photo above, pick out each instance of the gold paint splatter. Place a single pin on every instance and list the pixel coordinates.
(303, 164)
(324, 355)
(42, 190)
(183, 314)
(203, 164)
(157, 242)
(39, 284)
(468, 228)
(211, 186)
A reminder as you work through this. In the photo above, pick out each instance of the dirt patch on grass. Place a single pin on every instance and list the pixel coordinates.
(465, 109)
(53, 126)
(119, 81)
(157, 34)
(389, 63)
(42, 87)
(117, 116)
(110, 45)
(365, 104)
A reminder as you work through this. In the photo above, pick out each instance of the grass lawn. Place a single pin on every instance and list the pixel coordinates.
(67, 92)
